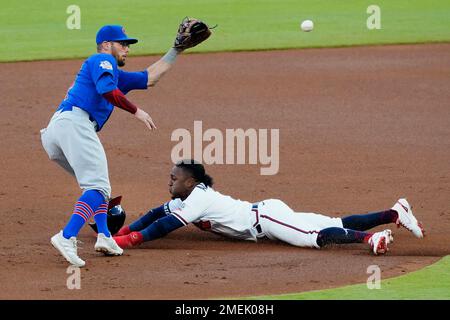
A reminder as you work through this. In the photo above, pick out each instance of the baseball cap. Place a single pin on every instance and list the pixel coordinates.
(113, 33)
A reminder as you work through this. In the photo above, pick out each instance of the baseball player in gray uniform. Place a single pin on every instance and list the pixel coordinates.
(71, 139)
(195, 201)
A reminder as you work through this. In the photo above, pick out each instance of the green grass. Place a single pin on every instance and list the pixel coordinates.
(37, 29)
(429, 283)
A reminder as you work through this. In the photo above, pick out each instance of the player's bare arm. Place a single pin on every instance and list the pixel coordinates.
(160, 67)
(117, 98)
(145, 117)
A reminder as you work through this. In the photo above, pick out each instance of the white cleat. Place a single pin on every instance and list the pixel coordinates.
(68, 249)
(380, 240)
(406, 218)
(107, 245)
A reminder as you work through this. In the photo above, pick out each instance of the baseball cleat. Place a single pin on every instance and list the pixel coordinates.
(380, 240)
(107, 245)
(68, 249)
(130, 240)
(406, 218)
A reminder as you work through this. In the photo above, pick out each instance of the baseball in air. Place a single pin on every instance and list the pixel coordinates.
(307, 25)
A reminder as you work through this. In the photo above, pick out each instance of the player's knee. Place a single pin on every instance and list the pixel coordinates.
(324, 236)
(104, 191)
(330, 235)
(321, 239)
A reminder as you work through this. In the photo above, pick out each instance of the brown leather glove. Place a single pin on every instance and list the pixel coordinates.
(191, 32)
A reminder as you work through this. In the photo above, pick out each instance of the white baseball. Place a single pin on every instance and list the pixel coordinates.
(307, 25)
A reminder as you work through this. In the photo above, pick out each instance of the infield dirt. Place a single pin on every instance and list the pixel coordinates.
(359, 128)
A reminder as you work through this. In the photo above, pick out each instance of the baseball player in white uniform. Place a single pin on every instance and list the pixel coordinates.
(195, 201)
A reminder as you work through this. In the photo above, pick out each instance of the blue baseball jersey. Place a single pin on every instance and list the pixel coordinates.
(88, 87)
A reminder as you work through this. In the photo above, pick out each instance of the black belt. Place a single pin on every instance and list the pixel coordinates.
(256, 224)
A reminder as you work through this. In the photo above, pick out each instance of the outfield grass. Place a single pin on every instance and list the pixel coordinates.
(429, 283)
(37, 29)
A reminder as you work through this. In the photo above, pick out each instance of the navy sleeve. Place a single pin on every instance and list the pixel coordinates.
(161, 227)
(148, 218)
(132, 80)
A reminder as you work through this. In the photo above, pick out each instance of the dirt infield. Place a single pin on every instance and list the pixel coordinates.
(359, 128)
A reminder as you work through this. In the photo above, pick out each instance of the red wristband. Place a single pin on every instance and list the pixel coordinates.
(117, 98)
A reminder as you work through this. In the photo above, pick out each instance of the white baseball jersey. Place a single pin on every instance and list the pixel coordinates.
(212, 211)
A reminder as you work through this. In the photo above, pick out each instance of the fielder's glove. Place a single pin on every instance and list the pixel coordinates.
(191, 32)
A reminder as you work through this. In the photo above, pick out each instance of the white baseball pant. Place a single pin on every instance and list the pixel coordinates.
(71, 141)
(279, 221)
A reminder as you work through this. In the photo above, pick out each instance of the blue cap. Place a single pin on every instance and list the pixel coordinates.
(113, 33)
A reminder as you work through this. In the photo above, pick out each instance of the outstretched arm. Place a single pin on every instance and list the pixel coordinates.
(148, 218)
(144, 221)
(107, 88)
(160, 67)
(161, 227)
(157, 229)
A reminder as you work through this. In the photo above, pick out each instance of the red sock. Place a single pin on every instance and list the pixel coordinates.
(367, 237)
(136, 238)
(123, 231)
(130, 240)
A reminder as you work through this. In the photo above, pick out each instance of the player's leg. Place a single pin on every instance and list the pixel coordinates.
(51, 146)
(91, 170)
(400, 214)
(333, 230)
(314, 230)
(65, 241)
(143, 222)
(378, 241)
(368, 221)
(359, 222)
(335, 235)
(86, 206)
(320, 221)
(279, 221)
(79, 144)
(85, 153)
